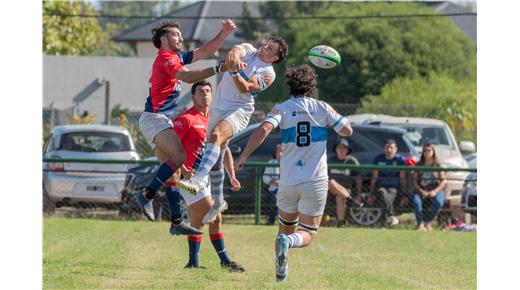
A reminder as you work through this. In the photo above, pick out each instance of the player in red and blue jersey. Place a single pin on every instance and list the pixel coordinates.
(168, 73)
(191, 127)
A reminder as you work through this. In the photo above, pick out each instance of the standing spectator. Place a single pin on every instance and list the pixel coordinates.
(428, 187)
(343, 181)
(271, 179)
(389, 183)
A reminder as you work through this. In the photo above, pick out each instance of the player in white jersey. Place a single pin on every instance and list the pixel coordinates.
(302, 194)
(250, 73)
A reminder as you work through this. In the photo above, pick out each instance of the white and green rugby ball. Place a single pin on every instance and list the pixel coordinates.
(324, 56)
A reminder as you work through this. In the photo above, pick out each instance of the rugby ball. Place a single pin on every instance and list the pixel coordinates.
(324, 56)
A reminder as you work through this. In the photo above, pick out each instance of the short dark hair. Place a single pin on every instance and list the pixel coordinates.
(161, 30)
(301, 80)
(199, 83)
(390, 141)
(283, 49)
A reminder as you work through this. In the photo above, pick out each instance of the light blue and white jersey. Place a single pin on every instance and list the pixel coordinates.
(227, 95)
(303, 122)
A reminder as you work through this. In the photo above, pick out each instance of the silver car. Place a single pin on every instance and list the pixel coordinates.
(425, 130)
(72, 183)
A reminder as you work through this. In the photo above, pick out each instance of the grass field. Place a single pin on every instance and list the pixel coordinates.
(100, 254)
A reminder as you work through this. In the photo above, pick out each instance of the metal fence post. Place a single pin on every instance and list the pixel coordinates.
(258, 195)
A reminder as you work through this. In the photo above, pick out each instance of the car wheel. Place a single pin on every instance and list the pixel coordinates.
(129, 209)
(365, 216)
(49, 206)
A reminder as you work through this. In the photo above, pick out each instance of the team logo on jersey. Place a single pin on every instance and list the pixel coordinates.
(299, 163)
(178, 124)
(293, 113)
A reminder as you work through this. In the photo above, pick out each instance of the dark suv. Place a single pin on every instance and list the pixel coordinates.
(367, 141)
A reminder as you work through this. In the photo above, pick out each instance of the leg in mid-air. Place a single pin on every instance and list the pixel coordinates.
(296, 230)
(171, 154)
(216, 177)
(212, 165)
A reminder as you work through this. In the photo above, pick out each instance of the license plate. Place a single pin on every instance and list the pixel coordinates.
(95, 188)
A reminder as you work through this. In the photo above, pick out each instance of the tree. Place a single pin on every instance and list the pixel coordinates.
(252, 30)
(376, 50)
(436, 96)
(67, 35)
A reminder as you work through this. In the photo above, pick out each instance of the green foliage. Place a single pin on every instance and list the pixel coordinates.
(437, 96)
(374, 51)
(252, 30)
(65, 35)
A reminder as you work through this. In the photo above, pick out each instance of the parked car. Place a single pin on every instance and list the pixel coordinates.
(472, 160)
(366, 142)
(425, 130)
(469, 194)
(86, 184)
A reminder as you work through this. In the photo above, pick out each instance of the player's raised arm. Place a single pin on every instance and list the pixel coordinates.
(209, 48)
(255, 140)
(339, 123)
(191, 76)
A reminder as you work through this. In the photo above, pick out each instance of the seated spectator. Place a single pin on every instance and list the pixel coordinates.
(389, 184)
(271, 179)
(342, 181)
(428, 187)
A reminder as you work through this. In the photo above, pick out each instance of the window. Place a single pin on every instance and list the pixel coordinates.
(423, 135)
(49, 144)
(95, 142)
(379, 137)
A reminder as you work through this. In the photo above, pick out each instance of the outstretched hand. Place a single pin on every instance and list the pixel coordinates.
(228, 26)
(235, 184)
(239, 163)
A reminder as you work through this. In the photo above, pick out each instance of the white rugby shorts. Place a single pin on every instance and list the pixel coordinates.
(152, 124)
(308, 198)
(193, 198)
(237, 119)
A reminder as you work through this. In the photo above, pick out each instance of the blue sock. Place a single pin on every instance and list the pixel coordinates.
(194, 249)
(163, 174)
(218, 243)
(174, 200)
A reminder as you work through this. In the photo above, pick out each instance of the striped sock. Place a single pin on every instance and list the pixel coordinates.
(218, 243)
(295, 240)
(194, 249)
(165, 171)
(217, 186)
(211, 154)
(174, 200)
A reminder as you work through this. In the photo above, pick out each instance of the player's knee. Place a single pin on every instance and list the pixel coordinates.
(218, 219)
(214, 136)
(287, 223)
(311, 230)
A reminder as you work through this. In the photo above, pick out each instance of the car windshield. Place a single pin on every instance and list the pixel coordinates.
(380, 136)
(420, 135)
(95, 142)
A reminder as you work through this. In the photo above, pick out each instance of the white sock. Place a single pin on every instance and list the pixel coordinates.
(210, 157)
(295, 240)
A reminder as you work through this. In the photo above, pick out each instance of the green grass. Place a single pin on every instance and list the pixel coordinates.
(100, 254)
